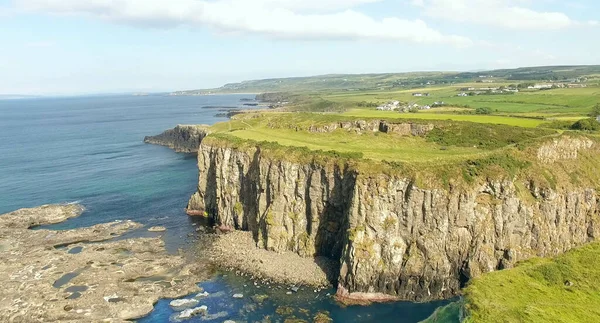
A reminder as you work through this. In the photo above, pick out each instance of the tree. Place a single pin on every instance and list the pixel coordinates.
(595, 111)
(484, 110)
(586, 125)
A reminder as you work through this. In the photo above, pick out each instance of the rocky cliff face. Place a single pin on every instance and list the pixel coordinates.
(393, 239)
(182, 139)
(363, 126)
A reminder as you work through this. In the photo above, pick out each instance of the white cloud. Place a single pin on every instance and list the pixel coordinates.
(288, 19)
(508, 14)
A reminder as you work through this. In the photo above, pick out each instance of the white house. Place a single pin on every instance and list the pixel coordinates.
(598, 118)
(540, 86)
(390, 106)
(463, 94)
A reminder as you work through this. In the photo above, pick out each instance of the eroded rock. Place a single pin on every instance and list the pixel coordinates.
(182, 139)
(105, 280)
(393, 239)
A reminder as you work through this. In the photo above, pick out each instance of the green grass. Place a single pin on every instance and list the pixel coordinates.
(449, 141)
(446, 314)
(574, 103)
(535, 291)
(376, 146)
(490, 119)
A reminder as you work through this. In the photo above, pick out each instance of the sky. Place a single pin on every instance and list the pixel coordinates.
(72, 47)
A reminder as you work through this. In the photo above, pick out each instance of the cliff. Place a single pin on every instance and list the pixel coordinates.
(182, 139)
(395, 236)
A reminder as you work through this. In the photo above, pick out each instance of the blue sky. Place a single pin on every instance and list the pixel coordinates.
(99, 46)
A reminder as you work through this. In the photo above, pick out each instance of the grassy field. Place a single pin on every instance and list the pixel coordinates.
(450, 141)
(540, 290)
(376, 146)
(463, 148)
(489, 119)
(373, 145)
(563, 102)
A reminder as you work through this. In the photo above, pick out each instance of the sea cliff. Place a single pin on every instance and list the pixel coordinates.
(394, 236)
(182, 139)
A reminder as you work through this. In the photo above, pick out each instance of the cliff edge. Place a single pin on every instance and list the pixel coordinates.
(400, 232)
(182, 138)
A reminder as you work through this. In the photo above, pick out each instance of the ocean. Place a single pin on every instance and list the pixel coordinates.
(90, 150)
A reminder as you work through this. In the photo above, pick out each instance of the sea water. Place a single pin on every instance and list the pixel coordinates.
(90, 150)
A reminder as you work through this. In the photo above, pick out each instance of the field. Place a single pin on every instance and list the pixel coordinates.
(449, 142)
(575, 102)
(484, 135)
(563, 289)
(491, 119)
(333, 119)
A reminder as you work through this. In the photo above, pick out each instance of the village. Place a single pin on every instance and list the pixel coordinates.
(512, 89)
(409, 107)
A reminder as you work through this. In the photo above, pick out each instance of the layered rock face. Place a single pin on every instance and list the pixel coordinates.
(182, 139)
(393, 239)
(359, 126)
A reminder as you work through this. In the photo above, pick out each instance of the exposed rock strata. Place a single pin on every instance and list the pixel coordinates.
(390, 236)
(403, 129)
(362, 126)
(59, 276)
(182, 139)
(563, 149)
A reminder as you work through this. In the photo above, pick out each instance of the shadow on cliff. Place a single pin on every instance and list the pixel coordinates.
(334, 221)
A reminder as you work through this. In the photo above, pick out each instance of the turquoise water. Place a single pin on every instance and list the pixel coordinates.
(90, 150)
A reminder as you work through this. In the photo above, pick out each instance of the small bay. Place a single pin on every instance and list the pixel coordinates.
(90, 150)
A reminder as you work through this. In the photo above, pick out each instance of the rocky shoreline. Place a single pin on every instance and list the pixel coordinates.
(237, 252)
(78, 275)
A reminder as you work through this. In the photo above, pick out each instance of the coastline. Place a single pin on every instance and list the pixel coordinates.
(236, 251)
(85, 274)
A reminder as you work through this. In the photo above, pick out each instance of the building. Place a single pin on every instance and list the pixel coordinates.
(390, 106)
(540, 86)
(420, 94)
(598, 118)
(463, 94)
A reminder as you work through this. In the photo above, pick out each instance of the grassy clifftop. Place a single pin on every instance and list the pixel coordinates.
(448, 153)
(562, 289)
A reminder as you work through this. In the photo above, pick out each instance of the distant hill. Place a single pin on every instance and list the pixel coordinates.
(358, 82)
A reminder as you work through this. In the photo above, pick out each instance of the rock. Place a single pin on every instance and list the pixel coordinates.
(157, 229)
(564, 148)
(43, 215)
(190, 312)
(395, 238)
(35, 270)
(260, 298)
(322, 317)
(294, 289)
(229, 321)
(182, 139)
(284, 310)
(202, 295)
(183, 303)
(238, 296)
(111, 297)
